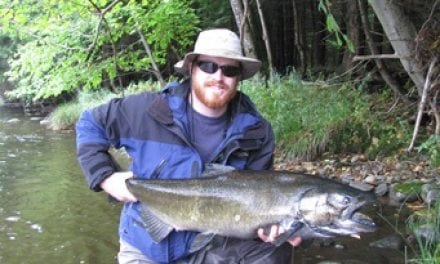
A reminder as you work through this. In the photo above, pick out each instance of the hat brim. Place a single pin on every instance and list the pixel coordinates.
(249, 66)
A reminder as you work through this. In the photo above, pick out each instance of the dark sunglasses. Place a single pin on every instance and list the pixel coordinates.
(211, 67)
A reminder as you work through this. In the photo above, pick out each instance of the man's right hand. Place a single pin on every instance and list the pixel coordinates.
(115, 186)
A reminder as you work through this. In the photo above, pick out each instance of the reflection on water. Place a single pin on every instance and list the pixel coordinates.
(47, 213)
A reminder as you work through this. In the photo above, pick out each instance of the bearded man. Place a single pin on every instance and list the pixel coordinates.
(202, 120)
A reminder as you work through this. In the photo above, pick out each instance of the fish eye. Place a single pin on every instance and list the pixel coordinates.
(339, 201)
(346, 200)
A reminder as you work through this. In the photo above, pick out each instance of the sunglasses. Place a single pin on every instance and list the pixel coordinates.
(211, 67)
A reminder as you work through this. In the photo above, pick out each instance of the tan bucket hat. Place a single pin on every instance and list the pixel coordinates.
(220, 43)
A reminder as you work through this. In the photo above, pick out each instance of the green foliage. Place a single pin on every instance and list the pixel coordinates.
(432, 147)
(67, 47)
(333, 27)
(309, 119)
(8, 45)
(66, 115)
(424, 225)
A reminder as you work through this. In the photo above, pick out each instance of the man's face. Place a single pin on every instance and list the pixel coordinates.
(214, 90)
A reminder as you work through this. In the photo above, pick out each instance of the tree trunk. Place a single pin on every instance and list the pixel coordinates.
(401, 34)
(265, 37)
(298, 38)
(353, 33)
(319, 29)
(423, 99)
(243, 27)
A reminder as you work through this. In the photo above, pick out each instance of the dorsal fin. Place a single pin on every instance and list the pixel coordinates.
(216, 169)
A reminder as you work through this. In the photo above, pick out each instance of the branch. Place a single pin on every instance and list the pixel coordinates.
(243, 21)
(150, 54)
(101, 14)
(425, 91)
(376, 56)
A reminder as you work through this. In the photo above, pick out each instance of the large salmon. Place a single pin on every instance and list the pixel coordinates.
(237, 203)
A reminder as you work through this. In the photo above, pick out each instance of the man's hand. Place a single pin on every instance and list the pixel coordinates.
(275, 231)
(115, 186)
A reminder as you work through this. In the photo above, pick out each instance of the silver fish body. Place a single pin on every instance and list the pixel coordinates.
(237, 203)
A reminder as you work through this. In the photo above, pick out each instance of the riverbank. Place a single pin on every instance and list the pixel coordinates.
(359, 172)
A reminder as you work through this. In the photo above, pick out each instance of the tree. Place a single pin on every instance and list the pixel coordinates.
(70, 45)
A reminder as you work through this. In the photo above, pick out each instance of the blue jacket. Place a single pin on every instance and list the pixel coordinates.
(153, 127)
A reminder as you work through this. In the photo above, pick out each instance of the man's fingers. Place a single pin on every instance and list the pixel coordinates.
(296, 241)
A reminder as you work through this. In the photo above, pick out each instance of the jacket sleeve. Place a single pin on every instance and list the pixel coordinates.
(94, 136)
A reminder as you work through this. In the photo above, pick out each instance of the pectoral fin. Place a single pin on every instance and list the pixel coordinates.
(157, 229)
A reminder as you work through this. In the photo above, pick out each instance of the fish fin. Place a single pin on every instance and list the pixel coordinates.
(294, 227)
(157, 229)
(200, 241)
(215, 169)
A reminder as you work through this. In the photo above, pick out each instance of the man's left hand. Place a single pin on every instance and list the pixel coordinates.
(275, 231)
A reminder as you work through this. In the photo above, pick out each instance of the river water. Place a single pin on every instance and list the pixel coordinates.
(48, 215)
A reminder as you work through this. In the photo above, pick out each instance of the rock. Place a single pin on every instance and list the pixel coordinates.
(370, 179)
(357, 158)
(430, 193)
(400, 193)
(362, 186)
(13, 121)
(393, 241)
(381, 189)
(428, 234)
(347, 178)
(308, 166)
(45, 122)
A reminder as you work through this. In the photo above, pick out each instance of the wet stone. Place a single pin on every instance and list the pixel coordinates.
(399, 197)
(393, 241)
(381, 189)
(430, 193)
(427, 234)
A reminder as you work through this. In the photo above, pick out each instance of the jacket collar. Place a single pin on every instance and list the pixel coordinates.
(173, 101)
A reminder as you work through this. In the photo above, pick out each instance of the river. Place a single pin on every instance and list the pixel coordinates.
(48, 214)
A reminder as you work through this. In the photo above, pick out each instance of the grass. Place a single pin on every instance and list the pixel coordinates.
(425, 227)
(307, 118)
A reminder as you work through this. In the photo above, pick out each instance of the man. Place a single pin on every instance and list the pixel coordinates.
(201, 120)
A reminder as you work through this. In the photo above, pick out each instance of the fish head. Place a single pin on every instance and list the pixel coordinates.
(331, 213)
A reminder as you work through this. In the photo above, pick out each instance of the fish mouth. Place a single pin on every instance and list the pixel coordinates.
(351, 222)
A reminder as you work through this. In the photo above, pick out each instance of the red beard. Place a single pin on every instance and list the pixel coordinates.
(214, 94)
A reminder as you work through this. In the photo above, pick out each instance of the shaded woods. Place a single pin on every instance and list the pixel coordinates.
(55, 50)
